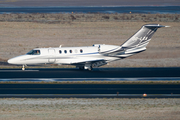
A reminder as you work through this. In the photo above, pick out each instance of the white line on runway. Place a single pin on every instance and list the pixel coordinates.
(18, 70)
(92, 79)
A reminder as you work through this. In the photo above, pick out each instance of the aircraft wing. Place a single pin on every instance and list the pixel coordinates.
(95, 62)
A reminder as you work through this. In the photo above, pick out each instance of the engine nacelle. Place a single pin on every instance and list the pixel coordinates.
(105, 48)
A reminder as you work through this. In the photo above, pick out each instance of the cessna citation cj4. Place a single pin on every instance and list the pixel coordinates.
(90, 56)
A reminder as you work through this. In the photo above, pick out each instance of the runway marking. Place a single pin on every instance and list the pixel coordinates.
(92, 79)
(18, 70)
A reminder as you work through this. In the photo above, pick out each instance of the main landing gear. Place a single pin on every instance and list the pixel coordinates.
(81, 68)
(86, 67)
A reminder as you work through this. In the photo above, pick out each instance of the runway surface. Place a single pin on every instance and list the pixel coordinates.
(97, 73)
(88, 90)
(88, 79)
(39, 90)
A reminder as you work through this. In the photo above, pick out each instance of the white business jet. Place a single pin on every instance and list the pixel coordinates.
(88, 57)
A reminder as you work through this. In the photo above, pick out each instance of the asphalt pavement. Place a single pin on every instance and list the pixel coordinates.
(95, 73)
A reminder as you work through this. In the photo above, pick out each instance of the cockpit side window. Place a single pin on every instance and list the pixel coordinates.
(34, 52)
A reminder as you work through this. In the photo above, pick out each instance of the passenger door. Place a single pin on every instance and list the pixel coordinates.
(51, 55)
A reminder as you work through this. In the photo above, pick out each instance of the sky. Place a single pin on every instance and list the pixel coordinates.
(45, 3)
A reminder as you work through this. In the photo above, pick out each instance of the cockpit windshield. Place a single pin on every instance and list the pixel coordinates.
(33, 52)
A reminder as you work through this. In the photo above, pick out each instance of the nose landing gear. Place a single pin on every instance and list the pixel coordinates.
(23, 67)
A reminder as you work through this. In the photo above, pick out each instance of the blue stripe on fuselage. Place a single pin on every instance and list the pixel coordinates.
(87, 53)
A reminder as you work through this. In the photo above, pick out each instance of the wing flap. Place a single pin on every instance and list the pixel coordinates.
(94, 63)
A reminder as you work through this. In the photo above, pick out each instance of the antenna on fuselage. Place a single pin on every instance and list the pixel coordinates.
(60, 46)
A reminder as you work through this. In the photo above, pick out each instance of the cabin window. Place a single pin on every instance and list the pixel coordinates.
(60, 51)
(70, 51)
(34, 52)
(65, 51)
(81, 51)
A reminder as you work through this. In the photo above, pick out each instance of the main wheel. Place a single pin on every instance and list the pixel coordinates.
(90, 68)
(81, 68)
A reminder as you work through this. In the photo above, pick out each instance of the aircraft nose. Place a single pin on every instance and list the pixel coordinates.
(11, 61)
(17, 60)
(14, 61)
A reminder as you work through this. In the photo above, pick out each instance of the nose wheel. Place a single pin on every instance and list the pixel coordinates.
(23, 67)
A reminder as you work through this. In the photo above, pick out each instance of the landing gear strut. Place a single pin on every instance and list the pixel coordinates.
(23, 67)
(88, 67)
